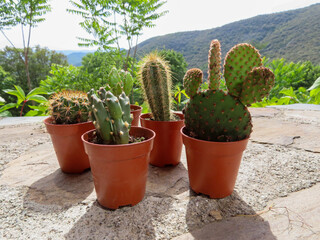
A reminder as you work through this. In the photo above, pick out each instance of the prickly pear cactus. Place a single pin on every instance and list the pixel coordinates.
(69, 107)
(257, 85)
(111, 116)
(192, 81)
(215, 115)
(214, 61)
(155, 76)
(239, 61)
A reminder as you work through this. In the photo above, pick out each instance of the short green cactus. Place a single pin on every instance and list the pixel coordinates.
(155, 76)
(215, 115)
(118, 81)
(111, 116)
(69, 107)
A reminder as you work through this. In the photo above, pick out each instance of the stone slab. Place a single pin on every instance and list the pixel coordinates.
(9, 121)
(294, 217)
(38, 201)
(297, 106)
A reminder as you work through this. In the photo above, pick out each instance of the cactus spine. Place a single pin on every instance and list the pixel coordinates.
(69, 107)
(118, 81)
(215, 115)
(155, 76)
(111, 116)
(214, 61)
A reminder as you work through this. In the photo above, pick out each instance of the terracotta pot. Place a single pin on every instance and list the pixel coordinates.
(213, 166)
(167, 143)
(66, 140)
(120, 171)
(136, 112)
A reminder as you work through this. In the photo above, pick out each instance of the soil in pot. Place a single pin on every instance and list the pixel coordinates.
(213, 166)
(168, 142)
(120, 171)
(67, 143)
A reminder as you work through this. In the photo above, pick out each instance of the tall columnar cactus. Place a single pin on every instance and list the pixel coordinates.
(69, 107)
(111, 116)
(155, 76)
(215, 115)
(118, 81)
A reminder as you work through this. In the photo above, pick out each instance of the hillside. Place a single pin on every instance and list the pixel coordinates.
(293, 35)
(74, 57)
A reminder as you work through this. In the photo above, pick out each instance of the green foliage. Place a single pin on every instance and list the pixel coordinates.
(289, 74)
(178, 65)
(110, 20)
(291, 96)
(293, 35)
(180, 98)
(4, 113)
(63, 78)
(291, 81)
(34, 95)
(96, 71)
(25, 13)
(40, 61)
(111, 116)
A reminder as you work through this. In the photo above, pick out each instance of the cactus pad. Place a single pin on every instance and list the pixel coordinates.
(217, 116)
(239, 61)
(257, 85)
(214, 61)
(192, 81)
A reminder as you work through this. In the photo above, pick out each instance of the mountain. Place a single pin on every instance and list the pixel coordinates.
(293, 35)
(74, 57)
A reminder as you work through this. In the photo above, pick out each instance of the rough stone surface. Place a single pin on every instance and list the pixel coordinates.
(294, 217)
(38, 201)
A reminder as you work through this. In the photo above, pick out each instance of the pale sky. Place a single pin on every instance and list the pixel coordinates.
(61, 29)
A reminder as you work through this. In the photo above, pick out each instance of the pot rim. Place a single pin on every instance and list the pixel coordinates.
(118, 145)
(145, 115)
(204, 141)
(136, 108)
(46, 121)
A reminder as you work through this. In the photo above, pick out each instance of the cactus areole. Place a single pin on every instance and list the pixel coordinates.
(215, 115)
(217, 123)
(111, 116)
(69, 107)
(155, 76)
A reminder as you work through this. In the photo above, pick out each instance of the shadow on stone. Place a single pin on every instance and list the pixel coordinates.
(141, 220)
(220, 219)
(137, 222)
(60, 189)
(167, 181)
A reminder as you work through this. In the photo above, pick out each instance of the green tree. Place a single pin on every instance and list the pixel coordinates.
(23, 101)
(109, 20)
(100, 63)
(40, 60)
(177, 64)
(289, 74)
(27, 14)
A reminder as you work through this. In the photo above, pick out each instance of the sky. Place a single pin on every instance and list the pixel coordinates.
(60, 29)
